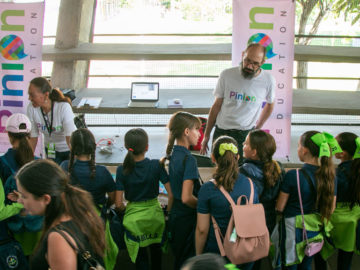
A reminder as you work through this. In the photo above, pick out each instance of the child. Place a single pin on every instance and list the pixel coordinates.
(144, 220)
(212, 202)
(317, 186)
(18, 127)
(26, 228)
(96, 179)
(347, 213)
(258, 149)
(184, 180)
(208, 261)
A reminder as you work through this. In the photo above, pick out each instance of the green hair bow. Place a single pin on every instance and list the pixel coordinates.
(357, 151)
(320, 140)
(231, 266)
(333, 143)
(227, 146)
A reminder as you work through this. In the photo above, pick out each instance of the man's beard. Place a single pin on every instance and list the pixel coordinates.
(248, 73)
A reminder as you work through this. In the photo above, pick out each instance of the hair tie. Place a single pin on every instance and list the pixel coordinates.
(227, 146)
(333, 143)
(131, 150)
(231, 266)
(320, 140)
(357, 151)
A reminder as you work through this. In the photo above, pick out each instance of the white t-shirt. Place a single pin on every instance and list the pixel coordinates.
(62, 126)
(243, 98)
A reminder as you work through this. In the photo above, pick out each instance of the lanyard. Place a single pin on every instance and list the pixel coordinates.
(46, 119)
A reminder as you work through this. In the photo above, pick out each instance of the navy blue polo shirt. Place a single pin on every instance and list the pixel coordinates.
(98, 186)
(143, 183)
(289, 186)
(342, 176)
(183, 166)
(212, 201)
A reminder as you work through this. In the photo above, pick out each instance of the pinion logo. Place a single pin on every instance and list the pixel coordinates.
(12, 47)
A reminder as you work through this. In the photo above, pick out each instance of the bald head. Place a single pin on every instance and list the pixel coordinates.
(256, 49)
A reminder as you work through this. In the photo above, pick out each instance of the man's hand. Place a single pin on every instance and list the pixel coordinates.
(204, 146)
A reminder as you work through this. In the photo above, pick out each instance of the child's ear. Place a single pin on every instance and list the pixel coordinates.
(186, 131)
(254, 154)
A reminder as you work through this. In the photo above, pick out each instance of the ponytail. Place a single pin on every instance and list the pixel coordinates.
(170, 145)
(129, 163)
(136, 142)
(77, 202)
(325, 176)
(265, 146)
(24, 152)
(57, 96)
(227, 169)
(272, 172)
(354, 185)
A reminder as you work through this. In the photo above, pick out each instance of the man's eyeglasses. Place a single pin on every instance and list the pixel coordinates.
(247, 61)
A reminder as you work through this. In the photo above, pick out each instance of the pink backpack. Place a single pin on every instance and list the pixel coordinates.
(247, 237)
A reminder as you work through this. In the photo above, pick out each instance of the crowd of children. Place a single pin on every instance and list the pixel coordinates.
(314, 204)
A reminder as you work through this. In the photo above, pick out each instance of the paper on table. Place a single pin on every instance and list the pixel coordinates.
(93, 102)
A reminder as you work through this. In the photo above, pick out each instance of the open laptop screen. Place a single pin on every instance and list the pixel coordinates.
(144, 91)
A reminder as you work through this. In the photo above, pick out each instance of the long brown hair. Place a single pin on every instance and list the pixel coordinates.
(24, 152)
(179, 121)
(347, 143)
(40, 177)
(325, 176)
(136, 142)
(265, 147)
(227, 169)
(44, 86)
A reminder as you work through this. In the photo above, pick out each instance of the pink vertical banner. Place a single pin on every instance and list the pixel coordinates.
(21, 32)
(270, 23)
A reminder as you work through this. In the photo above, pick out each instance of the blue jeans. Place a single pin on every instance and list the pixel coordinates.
(304, 265)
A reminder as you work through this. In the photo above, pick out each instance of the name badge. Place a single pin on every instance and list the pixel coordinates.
(51, 150)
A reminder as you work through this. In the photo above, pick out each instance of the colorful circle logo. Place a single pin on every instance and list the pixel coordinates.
(12, 47)
(12, 261)
(264, 40)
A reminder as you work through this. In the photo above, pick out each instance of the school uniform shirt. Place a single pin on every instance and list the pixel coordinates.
(98, 186)
(183, 166)
(289, 186)
(143, 183)
(212, 201)
(62, 126)
(5, 170)
(342, 176)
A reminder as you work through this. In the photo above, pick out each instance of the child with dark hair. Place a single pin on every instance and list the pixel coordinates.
(96, 179)
(184, 180)
(18, 127)
(347, 212)
(144, 220)
(25, 228)
(212, 202)
(208, 261)
(258, 150)
(266, 173)
(318, 193)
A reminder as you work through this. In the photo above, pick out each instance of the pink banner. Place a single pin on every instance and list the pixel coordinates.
(21, 32)
(271, 23)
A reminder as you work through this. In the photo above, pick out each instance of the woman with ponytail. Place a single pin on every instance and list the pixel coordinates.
(144, 220)
(347, 212)
(69, 217)
(184, 180)
(50, 113)
(318, 193)
(211, 200)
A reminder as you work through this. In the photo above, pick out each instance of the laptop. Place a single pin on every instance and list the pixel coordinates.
(144, 94)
